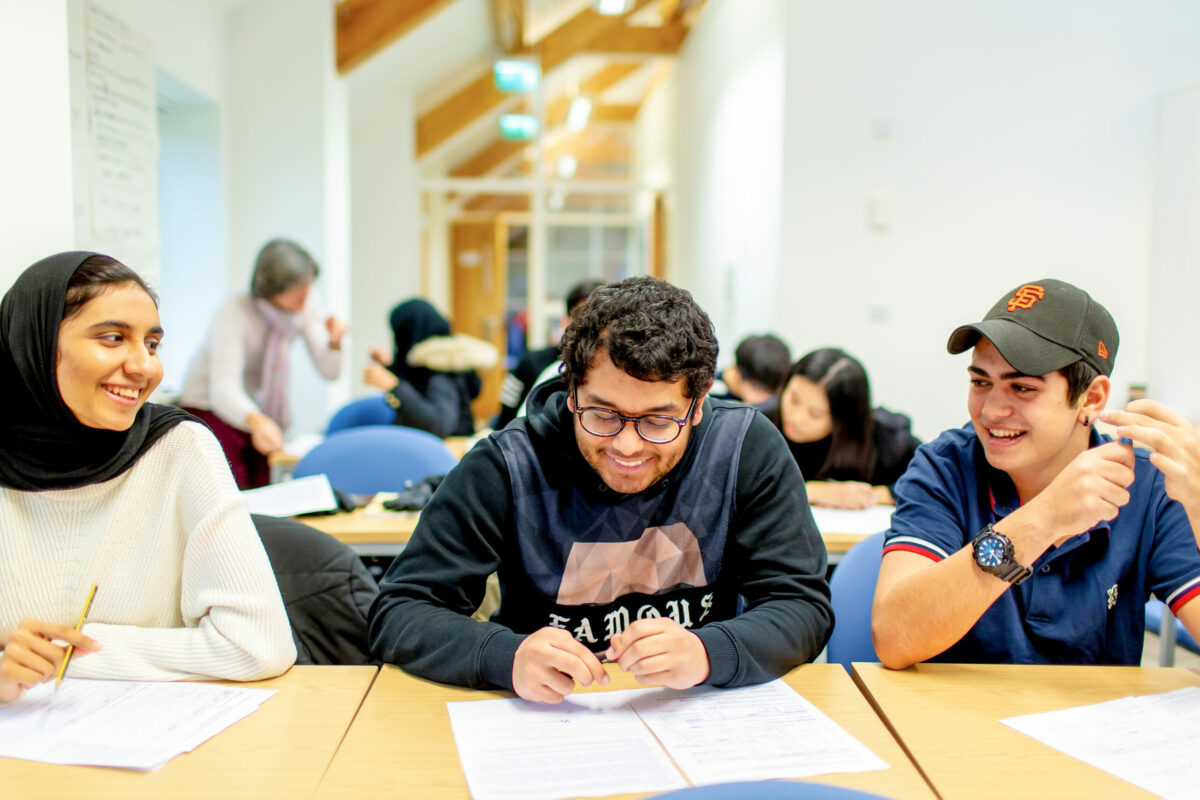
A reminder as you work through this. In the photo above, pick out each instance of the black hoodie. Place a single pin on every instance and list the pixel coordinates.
(771, 554)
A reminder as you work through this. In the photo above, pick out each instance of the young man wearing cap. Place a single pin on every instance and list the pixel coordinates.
(1026, 536)
(627, 516)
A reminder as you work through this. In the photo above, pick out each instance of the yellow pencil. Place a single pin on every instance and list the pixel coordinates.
(62, 670)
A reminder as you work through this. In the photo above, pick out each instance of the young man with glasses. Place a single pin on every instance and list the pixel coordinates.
(627, 517)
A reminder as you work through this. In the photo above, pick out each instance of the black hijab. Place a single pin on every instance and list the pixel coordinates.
(414, 321)
(42, 444)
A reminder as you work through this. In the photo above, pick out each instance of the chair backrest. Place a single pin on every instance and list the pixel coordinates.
(768, 790)
(1155, 610)
(853, 590)
(377, 458)
(326, 590)
(370, 410)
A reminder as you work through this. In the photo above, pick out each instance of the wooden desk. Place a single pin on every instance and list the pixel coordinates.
(402, 737)
(946, 716)
(281, 750)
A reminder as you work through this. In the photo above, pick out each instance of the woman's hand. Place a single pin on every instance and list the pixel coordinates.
(380, 356)
(264, 433)
(840, 494)
(337, 329)
(32, 657)
(377, 376)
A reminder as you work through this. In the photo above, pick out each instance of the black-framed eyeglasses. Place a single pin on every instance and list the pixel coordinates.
(654, 428)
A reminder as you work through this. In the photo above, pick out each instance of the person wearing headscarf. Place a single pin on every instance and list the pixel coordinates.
(430, 378)
(237, 382)
(98, 486)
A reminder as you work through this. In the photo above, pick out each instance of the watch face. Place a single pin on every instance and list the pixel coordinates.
(989, 552)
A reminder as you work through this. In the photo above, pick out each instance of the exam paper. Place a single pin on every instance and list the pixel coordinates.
(751, 733)
(862, 520)
(129, 724)
(1150, 741)
(289, 498)
(591, 744)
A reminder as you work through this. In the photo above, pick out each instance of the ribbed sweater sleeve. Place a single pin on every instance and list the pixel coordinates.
(185, 587)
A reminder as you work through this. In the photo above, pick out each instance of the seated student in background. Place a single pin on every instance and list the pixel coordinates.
(237, 382)
(625, 516)
(99, 486)
(529, 369)
(849, 453)
(1026, 536)
(424, 396)
(760, 367)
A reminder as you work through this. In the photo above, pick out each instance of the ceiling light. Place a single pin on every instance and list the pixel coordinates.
(566, 166)
(612, 8)
(577, 116)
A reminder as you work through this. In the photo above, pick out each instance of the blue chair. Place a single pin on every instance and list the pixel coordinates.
(370, 410)
(377, 458)
(1155, 611)
(853, 590)
(768, 790)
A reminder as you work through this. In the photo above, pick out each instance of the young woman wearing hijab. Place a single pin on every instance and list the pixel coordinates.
(438, 401)
(237, 382)
(97, 486)
(849, 453)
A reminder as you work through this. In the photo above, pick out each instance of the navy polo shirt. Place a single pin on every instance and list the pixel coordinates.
(1085, 601)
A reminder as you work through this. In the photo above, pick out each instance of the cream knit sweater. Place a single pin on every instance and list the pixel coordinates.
(185, 588)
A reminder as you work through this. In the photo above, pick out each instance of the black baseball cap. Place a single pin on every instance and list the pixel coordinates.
(1043, 326)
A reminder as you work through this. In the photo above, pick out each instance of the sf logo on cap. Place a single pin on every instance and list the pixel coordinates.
(1025, 297)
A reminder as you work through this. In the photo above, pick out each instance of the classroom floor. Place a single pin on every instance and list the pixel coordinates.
(1183, 658)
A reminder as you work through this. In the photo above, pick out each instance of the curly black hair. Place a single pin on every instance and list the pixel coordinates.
(650, 328)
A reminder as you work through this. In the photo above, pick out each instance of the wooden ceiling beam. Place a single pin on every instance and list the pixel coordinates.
(508, 24)
(645, 42)
(614, 112)
(364, 27)
(481, 96)
(488, 159)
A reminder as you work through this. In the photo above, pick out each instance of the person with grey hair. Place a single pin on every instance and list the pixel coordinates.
(237, 382)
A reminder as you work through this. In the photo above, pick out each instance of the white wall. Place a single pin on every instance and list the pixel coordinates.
(1020, 148)
(1175, 272)
(37, 202)
(192, 224)
(729, 123)
(387, 220)
(288, 163)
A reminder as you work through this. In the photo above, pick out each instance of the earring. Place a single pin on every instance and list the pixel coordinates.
(1086, 421)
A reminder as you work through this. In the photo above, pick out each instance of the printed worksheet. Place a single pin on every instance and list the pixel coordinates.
(604, 742)
(751, 733)
(1150, 741)
(591, 744)
(129, 724)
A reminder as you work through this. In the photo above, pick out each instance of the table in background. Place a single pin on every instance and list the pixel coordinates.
(402, 737)
(281, 750)
(946, 716)
(371, 531)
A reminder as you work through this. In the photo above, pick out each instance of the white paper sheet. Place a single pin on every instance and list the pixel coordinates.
(289, 498)
(751, 733)
(590, 744)
(1151, 741)
(129, 724)
(842, 520)
(601, 743)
